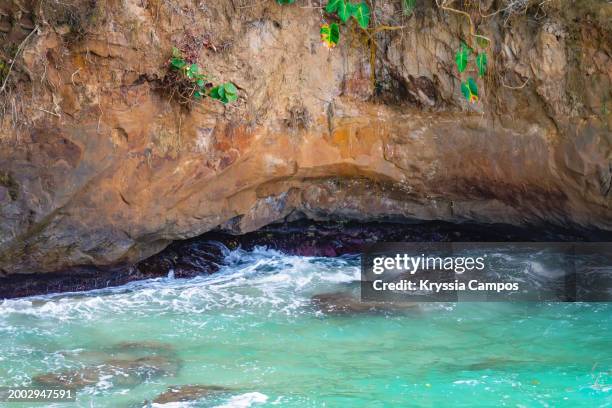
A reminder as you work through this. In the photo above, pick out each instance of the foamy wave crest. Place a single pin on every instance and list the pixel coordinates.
(262, 278)
(245, 400)
(172, 405)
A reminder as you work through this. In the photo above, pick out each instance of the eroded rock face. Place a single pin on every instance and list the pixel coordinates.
(99, 167)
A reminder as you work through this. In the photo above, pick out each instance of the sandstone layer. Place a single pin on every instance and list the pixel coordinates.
(99, 166)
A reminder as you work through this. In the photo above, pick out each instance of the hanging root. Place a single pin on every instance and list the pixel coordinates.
(445, 5)
(19, 49)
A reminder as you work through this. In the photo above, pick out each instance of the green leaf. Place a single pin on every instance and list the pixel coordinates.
(408, 7)
(176, 53)
(481, 62)
(230, 89)
(231, 93)
(225, 93)
(285, 1)
(473, 86)
(333, 5)
(335, 32)
(177, 63)
(361, 12)
(200, 83)
(461, 59)
(469, 89)
(465, 90)
(330, 34)
(214, 93)
(351, 8)
(193, 71)
(343, 11)
(197, 95)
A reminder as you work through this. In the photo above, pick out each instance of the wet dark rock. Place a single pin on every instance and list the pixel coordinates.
(346, 303)
(206, 253)
(307, 238)
(182, 259)
(183, 393)
(185, 259)
(73, 280)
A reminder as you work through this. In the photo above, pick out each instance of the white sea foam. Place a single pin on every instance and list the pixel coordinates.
(255, 279)
(466, 382)
(171, 405)
(105, 383)
(245, 400)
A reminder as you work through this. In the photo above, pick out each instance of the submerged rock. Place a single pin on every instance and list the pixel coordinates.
(146, 367)
(123, 351)
(124, 372)
(488, 363)
(346, 303)
(74, 379)
(183, 393)
(144, 346)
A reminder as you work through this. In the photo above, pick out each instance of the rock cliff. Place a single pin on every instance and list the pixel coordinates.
(100, 166)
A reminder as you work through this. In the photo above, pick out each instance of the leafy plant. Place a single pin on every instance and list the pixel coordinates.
(330, 34)
(469, 89)
(186, 79)
(333, 5)
(344, 10)
(481, 63)
(462, 57)
(225, 93)
(361, 12)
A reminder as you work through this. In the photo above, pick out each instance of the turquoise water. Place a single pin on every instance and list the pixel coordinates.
(253, 329)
